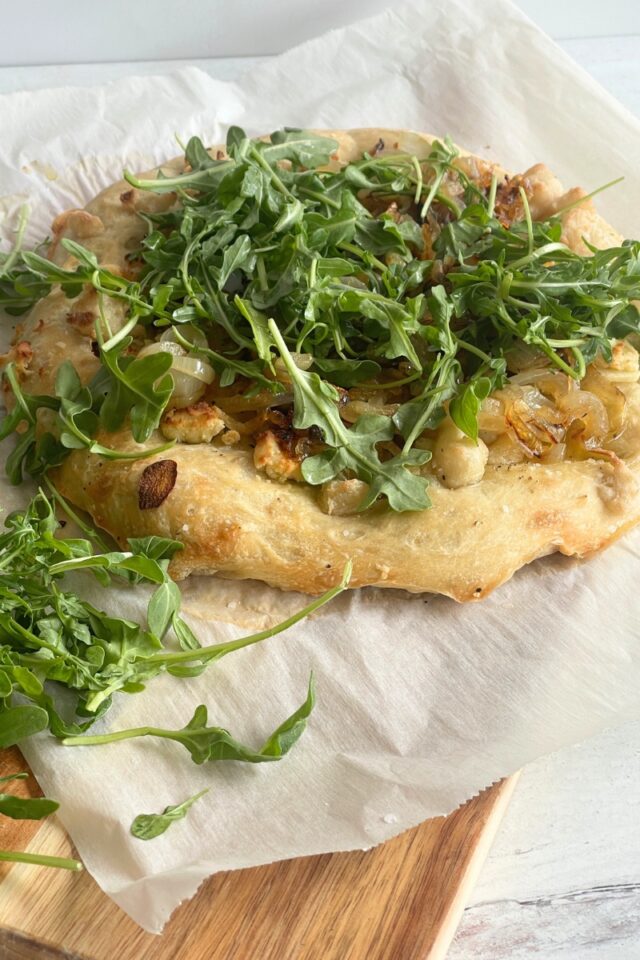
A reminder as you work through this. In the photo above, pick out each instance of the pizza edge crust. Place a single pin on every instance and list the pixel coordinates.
(235, 522)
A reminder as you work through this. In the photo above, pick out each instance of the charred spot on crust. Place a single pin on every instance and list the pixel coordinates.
(156, 483)
(95, 348)
(82, 319)
(379, 147)
(23, 356)
(126, 197)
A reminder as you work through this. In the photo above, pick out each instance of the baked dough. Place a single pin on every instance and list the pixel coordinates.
(236, 522)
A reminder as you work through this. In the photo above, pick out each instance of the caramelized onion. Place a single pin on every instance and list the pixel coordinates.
(190, 379)
(302, 361)
(613, 399)
(354, 409)
(190, 375)
(188, 332)
(524, 357)
(163, 347)
(533, 421)
(586, 407)
(491, 416)
(193, 367)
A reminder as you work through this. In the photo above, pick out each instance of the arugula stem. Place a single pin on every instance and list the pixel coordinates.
(204, 654)
(594, 193)
(361, 254)
(537, 254)
(320, 197)
(131, 734)
(23, 219)
(471, 348)
(435, 186)
(528, 220)
(10, 374)
(419, 179)
(271, 173)
(491, 198)
(168, 184)
(217, 358)
(91, 532)
(390, 384)
(39, 859)
(443, 375)
(11, 555)
(116, 338)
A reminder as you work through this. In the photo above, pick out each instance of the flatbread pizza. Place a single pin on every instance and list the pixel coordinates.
(363, 345)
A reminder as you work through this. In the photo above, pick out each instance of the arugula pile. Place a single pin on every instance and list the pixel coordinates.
(62, 659)
(50, 638)
(270, 251)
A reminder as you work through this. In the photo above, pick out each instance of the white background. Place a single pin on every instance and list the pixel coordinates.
(82, 31)
(563, 879)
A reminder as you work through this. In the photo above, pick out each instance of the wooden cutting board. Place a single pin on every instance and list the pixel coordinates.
(399, 901)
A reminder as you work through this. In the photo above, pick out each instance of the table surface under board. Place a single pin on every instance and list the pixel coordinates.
(563, 878)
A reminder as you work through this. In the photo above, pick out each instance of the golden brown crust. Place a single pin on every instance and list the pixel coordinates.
(235, 521)
(238, 523)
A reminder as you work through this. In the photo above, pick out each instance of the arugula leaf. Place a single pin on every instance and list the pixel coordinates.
(284, 737)
(18, 723)
(464, 408)
(238, 256)
(156, 548)
(315, 404)
(26, 808)
(206, 743)
(147, 826)
(140, 388)
(390, 478)
(347, 373)
(259, 328)
(300, 146)
(163, 606)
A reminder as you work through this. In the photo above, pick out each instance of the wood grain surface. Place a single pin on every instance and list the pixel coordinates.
(399, 901)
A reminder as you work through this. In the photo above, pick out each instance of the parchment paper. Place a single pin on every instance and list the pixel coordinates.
(421, 702)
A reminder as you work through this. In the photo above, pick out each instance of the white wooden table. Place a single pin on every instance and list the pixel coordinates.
(563, 878)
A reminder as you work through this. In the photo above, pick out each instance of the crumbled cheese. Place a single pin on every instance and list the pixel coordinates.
(199, 423)
(277, 463)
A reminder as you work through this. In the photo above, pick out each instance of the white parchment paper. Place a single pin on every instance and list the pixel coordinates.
(421, 702)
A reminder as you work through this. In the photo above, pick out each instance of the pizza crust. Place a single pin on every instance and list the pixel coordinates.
(237, 523)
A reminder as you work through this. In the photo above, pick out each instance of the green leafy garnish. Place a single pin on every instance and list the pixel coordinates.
(22, 721)
(147, 826)
(50, 637)
(26, 808)
(206, 743)
(29, 808)
(392, 273)
(39, 860)
(353, 449)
